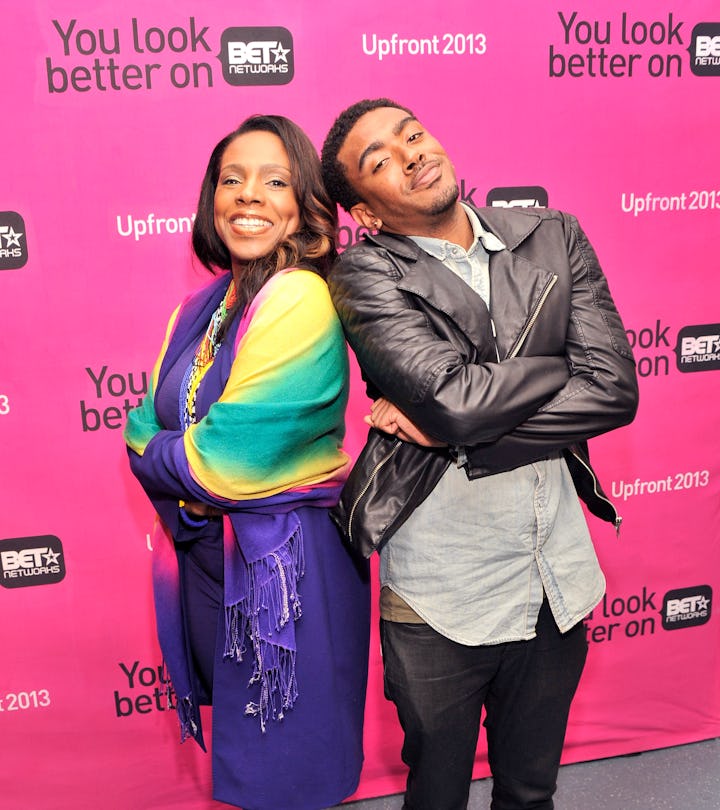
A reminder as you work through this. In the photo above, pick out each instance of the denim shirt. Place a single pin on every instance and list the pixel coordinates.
(476, 558)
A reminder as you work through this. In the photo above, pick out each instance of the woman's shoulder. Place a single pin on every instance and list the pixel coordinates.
(289, 295)
(297, 284)
(301, 278)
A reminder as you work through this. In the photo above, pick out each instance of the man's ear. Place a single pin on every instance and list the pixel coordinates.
(364, 216)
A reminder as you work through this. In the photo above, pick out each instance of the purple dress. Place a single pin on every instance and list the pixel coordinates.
(309, 756)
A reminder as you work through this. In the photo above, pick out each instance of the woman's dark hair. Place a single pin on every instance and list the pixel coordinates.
(313, 245)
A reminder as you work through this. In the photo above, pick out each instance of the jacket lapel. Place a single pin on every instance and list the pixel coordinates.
(428, 278)
(516, 283)
(516, 290)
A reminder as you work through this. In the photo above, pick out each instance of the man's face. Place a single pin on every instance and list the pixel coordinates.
(401, 173)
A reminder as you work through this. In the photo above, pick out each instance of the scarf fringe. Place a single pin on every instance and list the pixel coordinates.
(271, 601)
(187, 718)
(184, 706)
(278, 689)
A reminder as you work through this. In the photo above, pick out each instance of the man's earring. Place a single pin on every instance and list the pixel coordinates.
(377, 224)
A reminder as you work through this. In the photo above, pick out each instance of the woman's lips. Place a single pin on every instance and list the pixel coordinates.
(250, 223)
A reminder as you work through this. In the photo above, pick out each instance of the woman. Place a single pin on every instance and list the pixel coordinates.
(260, 609)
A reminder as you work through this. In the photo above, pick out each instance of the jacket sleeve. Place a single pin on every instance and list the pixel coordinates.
(278, 423)
(602, 392)
(422, 373)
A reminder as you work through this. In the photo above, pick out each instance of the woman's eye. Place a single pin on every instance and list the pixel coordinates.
(277, 183)
(229, 181)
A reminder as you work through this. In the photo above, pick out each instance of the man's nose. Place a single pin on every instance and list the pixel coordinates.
(412, 158)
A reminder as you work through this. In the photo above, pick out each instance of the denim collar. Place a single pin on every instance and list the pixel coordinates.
(442, 248)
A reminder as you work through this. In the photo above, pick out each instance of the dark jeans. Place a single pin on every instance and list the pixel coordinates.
(439, 688)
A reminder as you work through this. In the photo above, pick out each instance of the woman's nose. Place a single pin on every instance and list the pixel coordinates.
(250, 190)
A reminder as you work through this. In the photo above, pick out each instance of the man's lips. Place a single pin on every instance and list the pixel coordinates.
(426, 175)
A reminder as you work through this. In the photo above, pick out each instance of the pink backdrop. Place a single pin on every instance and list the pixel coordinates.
(110, 111)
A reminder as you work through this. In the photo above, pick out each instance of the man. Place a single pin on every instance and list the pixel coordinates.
(492, 333)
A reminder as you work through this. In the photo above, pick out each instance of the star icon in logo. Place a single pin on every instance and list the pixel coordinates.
(702, 603)
(280, 53)
(12, 237)
(51, 557)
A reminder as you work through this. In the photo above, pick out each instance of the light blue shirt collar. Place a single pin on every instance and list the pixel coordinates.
(442, 249)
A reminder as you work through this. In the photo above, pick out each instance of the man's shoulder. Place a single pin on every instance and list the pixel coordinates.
(372, 266)
(518, 214)
(513, 225)
(377, 250)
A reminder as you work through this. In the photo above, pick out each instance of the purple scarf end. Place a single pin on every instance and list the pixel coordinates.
(266, 614)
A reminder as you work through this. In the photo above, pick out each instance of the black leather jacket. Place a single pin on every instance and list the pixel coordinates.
(546, 369)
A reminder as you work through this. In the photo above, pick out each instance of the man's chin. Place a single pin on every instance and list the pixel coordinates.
(446, 201)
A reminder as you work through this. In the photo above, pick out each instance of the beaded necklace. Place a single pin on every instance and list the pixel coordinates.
(203, 358)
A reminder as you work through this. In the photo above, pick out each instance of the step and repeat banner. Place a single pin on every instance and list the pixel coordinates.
(110, 111)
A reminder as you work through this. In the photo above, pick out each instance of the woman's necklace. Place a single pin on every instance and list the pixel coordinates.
(203, 358)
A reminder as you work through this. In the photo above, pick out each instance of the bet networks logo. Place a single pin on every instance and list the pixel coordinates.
(26, 561)
(251, 56)
(13, 244)
(704, 49)
(517, 197)
(698, 348)
(686, 607)
(635, 616)
(134, 56)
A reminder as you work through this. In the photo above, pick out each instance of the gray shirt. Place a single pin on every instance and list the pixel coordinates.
(476, 557)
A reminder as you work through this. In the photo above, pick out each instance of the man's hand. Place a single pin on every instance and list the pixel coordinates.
(387, 417)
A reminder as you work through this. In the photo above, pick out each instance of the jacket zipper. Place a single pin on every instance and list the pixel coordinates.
(533, 317)
(376, 469)
(494, 331)
(618, 520)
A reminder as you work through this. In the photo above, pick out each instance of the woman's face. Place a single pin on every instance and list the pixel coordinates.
(255, 205)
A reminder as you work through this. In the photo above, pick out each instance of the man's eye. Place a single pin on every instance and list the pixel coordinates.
(414, 136)
(379, 165)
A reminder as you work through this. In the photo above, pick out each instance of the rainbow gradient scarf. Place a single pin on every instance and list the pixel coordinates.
(268, 438)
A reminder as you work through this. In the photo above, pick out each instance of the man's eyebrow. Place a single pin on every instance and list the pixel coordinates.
(402, 123)
(375, 145)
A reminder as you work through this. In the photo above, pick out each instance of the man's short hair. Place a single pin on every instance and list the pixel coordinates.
(334, 176)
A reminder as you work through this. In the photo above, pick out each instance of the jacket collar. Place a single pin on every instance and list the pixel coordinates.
(448, 293)
(512, 227)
